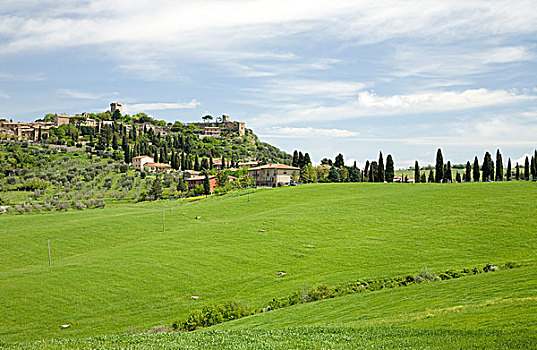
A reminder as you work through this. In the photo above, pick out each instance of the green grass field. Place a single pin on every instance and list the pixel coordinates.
(114, 268)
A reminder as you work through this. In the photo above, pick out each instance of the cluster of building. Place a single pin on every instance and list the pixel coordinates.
(269, 175)
(32, 130)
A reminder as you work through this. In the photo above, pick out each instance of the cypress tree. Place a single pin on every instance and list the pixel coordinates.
(224, 162)
(207, 185)
(477, 173)
(307, 159)
(115, 144)
(334, 175)
(197, 163)
(156, 188)
(295, 159)
(486, 167)
(366, 170)
(533, 170)
(416, 172)
(183, 162)
(468, 175)
(390, 171)
(211, 160)
(300, 162)
(127, 155)
(431, 176)
(499, 166)
(448, 176)
(509, 169)
(373, 171)
(527, 169)
(458, 178)
(380, 171)
(439, 166)
(204, 164)
(517, 172)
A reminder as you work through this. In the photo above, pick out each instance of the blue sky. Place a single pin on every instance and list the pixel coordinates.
(355, 77)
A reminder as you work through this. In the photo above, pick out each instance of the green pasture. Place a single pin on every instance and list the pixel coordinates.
(115, 269)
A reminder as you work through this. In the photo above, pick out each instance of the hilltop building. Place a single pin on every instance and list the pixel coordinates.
(140, 161)
(116, 106)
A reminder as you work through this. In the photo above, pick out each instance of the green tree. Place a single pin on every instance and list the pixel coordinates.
(156, 188)
(448, 176)
(366, 171)
(197, 163)
(380, 170)
(458, 178)
(416, 172)
(499, 166)
(207, 185)
(115, 144)
(487, 167)
(295, 159)
(517, 172)
(390, 170)
(468, 175)
(222, 179)
(339, 162)
(509, 170)
(533, 168)
(431, 176)
(334, 175)
(439, 168)
(476, 171)
(527, 169)
(294, 177)
(308, 174)
(373, 171)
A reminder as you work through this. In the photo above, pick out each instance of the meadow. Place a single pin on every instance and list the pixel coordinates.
(116, 269)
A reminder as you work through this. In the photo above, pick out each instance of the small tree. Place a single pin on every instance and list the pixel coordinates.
(468, 174)
(380, 171)
(339, 162)
(334, 175)
(222, 179)
(431, 176)
(294, 177)
(517, 172)
(499, 166)
(508, 170)
(156, 188)
(207, 185)
(416, 172)
(527, 169)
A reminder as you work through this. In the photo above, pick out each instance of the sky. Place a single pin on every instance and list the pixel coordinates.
(324, 77)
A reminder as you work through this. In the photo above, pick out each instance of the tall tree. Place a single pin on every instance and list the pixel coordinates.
(295, 159)
(468, 175)
(448, 176)
(487, 165)
(458, 177)
(390, 169)
(527, 169)
(416, 172)
(439, 168)
(207, 185)
(533, 168)
(339, 162)
(508, 170)
(476, 173)
(373, 171)
(366, 170)
(499, 166)
(224, 162)
(380, 171)
(115, 144)
(517, 172)
(156, 188)
(197, 166)
(307, 159)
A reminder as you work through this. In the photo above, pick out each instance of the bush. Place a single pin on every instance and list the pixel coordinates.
(78, 205)
(426, 275)
(20, 209)
(37, 207)
(62, 205)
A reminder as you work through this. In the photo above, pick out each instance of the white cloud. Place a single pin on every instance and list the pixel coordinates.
(3, 95)
(308, 132)
(21, 77)
(369, 104)
(84, 95)
(159, 106)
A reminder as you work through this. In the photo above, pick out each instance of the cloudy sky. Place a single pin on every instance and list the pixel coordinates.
(355, 77)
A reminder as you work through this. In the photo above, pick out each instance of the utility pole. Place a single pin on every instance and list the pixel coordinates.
(162, 220)
(248, 192)
(49, 261)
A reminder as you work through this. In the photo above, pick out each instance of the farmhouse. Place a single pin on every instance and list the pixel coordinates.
(140, 161)
(273, 174)
(187, 174)
(196, 181)
(156, 167)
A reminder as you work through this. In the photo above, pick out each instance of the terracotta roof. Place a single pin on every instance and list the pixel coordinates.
(274, 166)
(158, 165)
(193, 172)
(139, 157)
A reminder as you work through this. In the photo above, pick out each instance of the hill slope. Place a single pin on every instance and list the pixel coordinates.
(115, 268)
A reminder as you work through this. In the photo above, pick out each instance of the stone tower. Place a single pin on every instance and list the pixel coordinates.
(116, 106)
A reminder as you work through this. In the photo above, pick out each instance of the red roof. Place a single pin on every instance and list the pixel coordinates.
(275, 166)
(158, 165)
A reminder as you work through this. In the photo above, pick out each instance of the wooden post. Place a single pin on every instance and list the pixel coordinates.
(49, 261)
(248, 192)
(162, 220)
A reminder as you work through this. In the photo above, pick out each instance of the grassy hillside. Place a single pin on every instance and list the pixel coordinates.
(115, 268)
